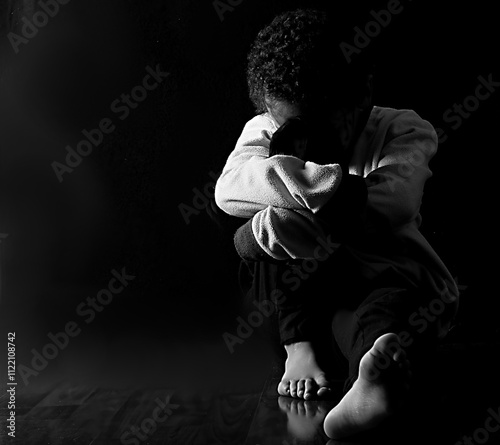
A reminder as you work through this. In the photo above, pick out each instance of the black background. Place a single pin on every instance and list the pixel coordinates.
(120, 207)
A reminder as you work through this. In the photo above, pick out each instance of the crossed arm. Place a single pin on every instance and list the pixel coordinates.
(291, 202)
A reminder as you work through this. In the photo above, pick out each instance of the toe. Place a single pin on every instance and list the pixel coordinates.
(385, 360)
(396, 351)
(310, 389)
(301, 387)
(383, 351)
(386, 344)
(284, 388)
(324, 391)
(293, 388)
(324, 385)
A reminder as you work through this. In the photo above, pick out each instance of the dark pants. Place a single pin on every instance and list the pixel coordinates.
(333, 306)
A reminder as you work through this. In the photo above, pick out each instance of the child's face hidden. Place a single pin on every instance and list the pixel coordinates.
(340, 128)
(334, 129)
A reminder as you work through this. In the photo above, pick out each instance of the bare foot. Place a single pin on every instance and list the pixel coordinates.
(303, 377)
(304, 416)
(383, 381)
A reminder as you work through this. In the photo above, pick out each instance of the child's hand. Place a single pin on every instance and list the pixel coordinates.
(300, 138)
(290, 139)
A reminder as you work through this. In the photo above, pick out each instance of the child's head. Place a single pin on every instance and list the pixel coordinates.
(296, 68)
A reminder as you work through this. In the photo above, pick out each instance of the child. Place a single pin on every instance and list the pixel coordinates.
(339, 235)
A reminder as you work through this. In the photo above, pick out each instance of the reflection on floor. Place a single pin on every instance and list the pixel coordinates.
(71, 413)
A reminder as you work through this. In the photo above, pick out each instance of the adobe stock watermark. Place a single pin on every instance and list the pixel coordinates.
(363, 37)
(121, 107)
(137, 434)
(482, 435)
(456, 115)
(293, 277)
(421, 319)
(422, 150)
(30, 28)
(88, 311)
(201, 199)
(223, 6)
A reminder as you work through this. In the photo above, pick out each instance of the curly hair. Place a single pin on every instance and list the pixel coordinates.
(296, 58)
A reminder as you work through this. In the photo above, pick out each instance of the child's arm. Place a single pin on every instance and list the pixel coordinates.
(394, 190)
(280, 234)
(284, 234)
(251, 180)
(396, 184)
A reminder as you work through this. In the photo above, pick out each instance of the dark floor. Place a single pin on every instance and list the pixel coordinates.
(71, 412)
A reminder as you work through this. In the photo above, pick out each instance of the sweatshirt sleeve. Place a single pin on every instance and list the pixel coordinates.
(282, 234)
(390, 197)
(285, 234)
(395, 187)
(251, 180)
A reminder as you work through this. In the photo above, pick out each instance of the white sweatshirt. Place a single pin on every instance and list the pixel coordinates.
(282, 194)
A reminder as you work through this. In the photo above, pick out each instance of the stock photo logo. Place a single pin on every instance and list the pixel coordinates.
(221, 7)
(201, 199)
(87, 310)
(363, 37)
(121, 107)
(455, 116)
(30, 28)
(482, 434)
(292, 278)
(136, 434)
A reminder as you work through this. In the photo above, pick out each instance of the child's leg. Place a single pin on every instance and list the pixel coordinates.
(305, 317)
(296, 325)
(380, 343)
(304, 332)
